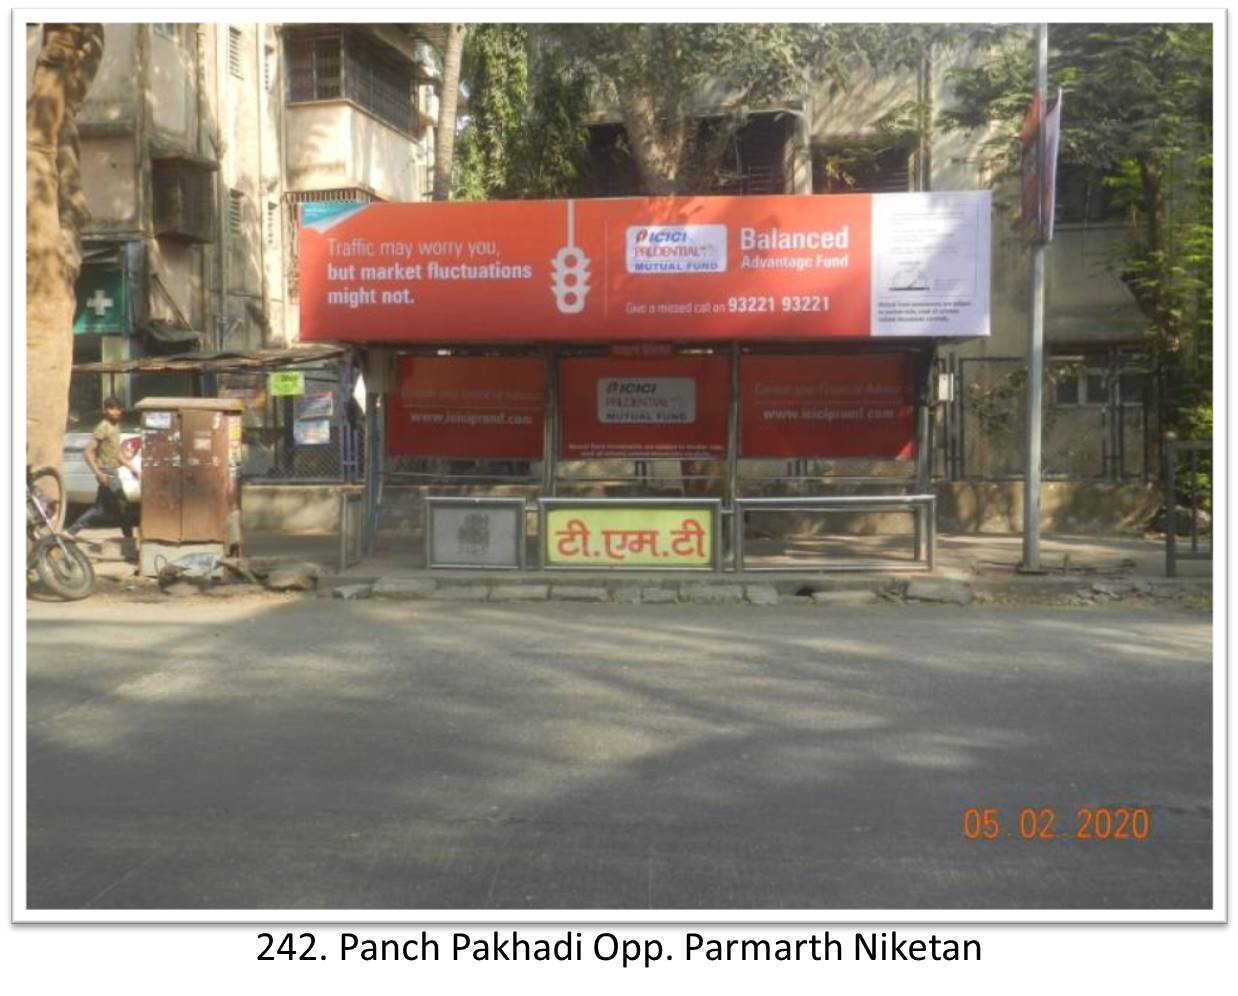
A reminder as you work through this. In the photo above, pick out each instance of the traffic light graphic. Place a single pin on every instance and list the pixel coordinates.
(569, 271)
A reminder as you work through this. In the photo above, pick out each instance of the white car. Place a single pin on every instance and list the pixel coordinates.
(80, 484)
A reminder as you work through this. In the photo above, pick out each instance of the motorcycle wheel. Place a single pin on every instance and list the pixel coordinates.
(50, 485)
(71, 577)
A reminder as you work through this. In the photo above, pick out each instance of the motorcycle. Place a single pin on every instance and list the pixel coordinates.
(52, 557)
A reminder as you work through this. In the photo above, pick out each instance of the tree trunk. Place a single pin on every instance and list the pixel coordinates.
(55, 212)
(445, 129)
(657, 146)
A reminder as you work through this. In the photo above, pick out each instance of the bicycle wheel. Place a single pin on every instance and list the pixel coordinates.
(50, 487)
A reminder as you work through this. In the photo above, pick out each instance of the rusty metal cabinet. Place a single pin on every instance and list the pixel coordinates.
(191, 454)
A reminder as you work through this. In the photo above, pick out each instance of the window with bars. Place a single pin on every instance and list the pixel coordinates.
(862, 168)
(1078, 386)
(235, 63)
(351, 65)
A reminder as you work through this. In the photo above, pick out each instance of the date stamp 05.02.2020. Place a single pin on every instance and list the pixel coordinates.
(1042, 823)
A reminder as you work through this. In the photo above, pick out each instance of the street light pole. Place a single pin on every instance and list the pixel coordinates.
(1036, 332)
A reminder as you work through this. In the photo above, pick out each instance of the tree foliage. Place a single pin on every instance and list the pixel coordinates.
(1138, 119)
(525, 135)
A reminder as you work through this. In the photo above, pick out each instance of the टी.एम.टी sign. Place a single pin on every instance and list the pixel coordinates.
(614, 534)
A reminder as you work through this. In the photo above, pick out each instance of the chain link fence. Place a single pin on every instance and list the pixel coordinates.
(315, 435)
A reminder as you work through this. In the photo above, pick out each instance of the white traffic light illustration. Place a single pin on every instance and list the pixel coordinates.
(569, 271)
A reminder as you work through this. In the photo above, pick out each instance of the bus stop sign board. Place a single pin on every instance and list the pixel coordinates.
(685, 268)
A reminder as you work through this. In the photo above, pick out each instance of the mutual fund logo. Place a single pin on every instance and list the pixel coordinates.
(676, 248)
(647, 399)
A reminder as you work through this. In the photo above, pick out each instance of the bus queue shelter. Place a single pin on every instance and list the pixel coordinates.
(698, 329)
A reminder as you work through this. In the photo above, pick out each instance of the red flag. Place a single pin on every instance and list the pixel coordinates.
(1029, 135)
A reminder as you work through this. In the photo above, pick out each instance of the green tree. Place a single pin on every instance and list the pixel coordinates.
(525, 134)
(1138, 119)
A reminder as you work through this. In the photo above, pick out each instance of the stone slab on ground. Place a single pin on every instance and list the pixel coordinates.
(712, 594)
(853, 596)
(949, 592)
(404, 587)
(658, 596)
(352, 591)
(579, 593)
(519, 592)
(294, 577)
(461, 593)
(761, 594)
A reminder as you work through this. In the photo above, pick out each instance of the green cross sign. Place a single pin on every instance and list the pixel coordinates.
(102, 301)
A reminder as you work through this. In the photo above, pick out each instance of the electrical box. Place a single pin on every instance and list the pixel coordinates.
(191, 491)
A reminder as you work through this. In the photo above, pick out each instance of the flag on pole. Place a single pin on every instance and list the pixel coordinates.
(1051, 139)
(1040, 136)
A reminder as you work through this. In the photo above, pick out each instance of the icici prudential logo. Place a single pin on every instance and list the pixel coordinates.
(569, 271)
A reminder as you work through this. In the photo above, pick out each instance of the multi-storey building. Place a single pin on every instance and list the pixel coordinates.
(198, 143)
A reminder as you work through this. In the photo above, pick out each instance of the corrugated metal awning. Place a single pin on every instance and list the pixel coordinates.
(218, 362)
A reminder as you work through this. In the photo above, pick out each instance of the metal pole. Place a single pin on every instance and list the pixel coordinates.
(1036, 337)
(1171, 506)
(732, 463)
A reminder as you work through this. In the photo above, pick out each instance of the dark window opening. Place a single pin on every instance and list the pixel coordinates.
(756, 159)
(862, 168)
(1084, 198)
(183, 196)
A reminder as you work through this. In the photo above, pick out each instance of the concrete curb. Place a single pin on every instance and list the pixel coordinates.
(841, 593)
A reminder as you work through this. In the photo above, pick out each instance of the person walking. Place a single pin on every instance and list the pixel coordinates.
(104, 457)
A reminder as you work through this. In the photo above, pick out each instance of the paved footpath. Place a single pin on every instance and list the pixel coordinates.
(278, 751)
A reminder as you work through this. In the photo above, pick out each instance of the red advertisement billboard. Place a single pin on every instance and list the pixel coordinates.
(750, 268)
(827, 406)
(468, 407)
(644, 407)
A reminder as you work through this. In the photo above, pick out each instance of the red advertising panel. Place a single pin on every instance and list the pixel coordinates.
(827, 406)
(468, 407)
(771, 266)
(642, 408)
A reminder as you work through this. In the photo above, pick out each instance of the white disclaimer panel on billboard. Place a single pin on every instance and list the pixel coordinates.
(931, 263)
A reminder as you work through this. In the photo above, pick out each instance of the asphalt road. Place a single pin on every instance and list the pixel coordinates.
(289, 753)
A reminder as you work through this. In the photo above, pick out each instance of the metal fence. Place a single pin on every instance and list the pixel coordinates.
(317, 435)
(1188, 494)
(1098, 419)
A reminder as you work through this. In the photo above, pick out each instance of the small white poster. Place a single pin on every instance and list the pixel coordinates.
(930, 272)
(313, 432)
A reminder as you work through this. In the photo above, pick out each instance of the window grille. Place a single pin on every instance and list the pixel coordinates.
(234, 53)
(350, 65)
(236, 211)
(862, 169)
